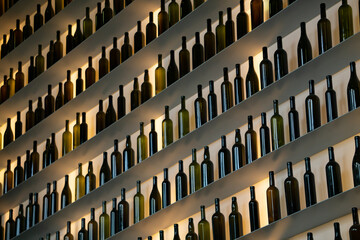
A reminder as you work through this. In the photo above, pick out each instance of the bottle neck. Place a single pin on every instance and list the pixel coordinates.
(209, 25)
(289, 170)
(271, 179)
(203, 217)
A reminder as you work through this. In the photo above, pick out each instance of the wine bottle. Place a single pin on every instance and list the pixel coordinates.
(98, 17)
(58, 48)
(114, 218)
(79, 184)
(172, 70)
(238, 152)
(18, 173)
(35, 210)
(194, 174)
(135, 95)
(18, 126)
(152, 138)
(126, 48)
(184, 59)
(181, 183)
(34, 159)
(76, 131)
(10, 43)
(139, 38)
(103, 63)
(107, 12)
(68, 235)
(207, 169)
(123, 212)
(142, 142)
(27, 165)
(266, 72)
(8, 134)
(59, 5)
(31, 70)
(163, 19)
(18, 35)
(212, 102)
(333, 175)
(257, 13)
(353, 89)
(273, 200)
(66, 196)
(39, 62)
(68, 88)
(46, 154)
(226, 92)
(83, 129)
(105, 173)
(50, 55)
(200, 108)
(54, 153)
(138, 204)
(4, 46)
(185, 8)
(309, 236)
(28, 212)
(89, 74)
(70, 42)
(220, 34)
(230, 28)
(87, 24)
(324, 31)
(150, 29)
(197, 3)
(309, 182)
(8, 178)
(356, 162)
(238, 88)
(160, 81)
(191, 235)
(19, 78)
(118, 5)
(90, 179)
(254, 210)
(54, 199)
(11, 84)
(304, 50)
(83, 233)
(38, 18)
(252, 80)
(235, 221)
(104, 223)
(197, 52)
(293, 116)
(59, 100)
(250, 142)
(110, 117)
(224, 159)
(355, 228)
(183, 119)
(66, 139)
(275, 6)
(264, 136)
(346, 28)
(128, 155)
(115, 55)
(79, 83)
(49, 103)
(176, 232)
(291, 186)
(39, 111)
(209, 41)
(203, 226)
(100, 118)
(280, 60)
(337, 231)
(312, 103)
(116, 160)
(10, 230)
(92, 226)
(174, 12)
(167, 129)
(242, 21)
(331, 103)
(19, 222)
(46, 210)
(154, 199)
(218, 222)
(277, 128)
(166, 189)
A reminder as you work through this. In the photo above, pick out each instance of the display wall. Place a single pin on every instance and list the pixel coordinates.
(338, 133)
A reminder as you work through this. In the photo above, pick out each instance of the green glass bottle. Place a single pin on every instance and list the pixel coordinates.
(146, 88)
(153, 147)
(126, 48)
(128, 155)
(138, 204)
(58, 48)
(304, 49)
(11, 84)
(50, 55)
(275, 6)
(114, 55)
(110, 116)
(113, 218)
(333, 175)
(59, 100)
(79, 184)
(354, 229)
(123, 212)
(160, 78)
(229, 28)
(266, 70)
(98, 17)
(167, 129)
(220, 34)
(46, 154)
(8, 134)
(227, 101)
(324, 31)
(277, 128)
(104, 223)
(8, 178)
(54, 153)
(291, 186)
(92, 226)
(31, 70)
(218, 222)
(254, 210)
(76, 131)
(66, 196)
(46, 210)
(139, 38)
(39, 111)
(87, 24)
(353, 89)
(116, 160)
(251, 153)
(39, 62)
(54, 199)
(105, 173)
(191, 235)
(273, 200)
(242, 21)
(83, 129)
(18, 172)
(176, 232)
(78, 36)
(209, 41)
(181, 182)
(235, 221)
(312, 108)
(103, 63)
(142, 144)
(135, 95)
(194, 174)
(356, 162)
(197, 3)
(200, 109)
(90, 179)
(18, 35)
(107, 12)
(68, 88)
(183, 119)
(238, 151)
(66, 139)
(197, 52)
(346, 28)
(252, 80)
(38, 18)
(154, 199)
(174, 12)
(207, 169)
(150, 29)
(264, 136)
(309, 182)
(224, 160)
(203, 226)
(163, 19)
(19, 78)
(100, 118)
(184, 59)
(257, 13)
(34, 164)
(68, 235)
(83, 233)
(212, 101)
(166, 189)
(172, 70)
(90, 78)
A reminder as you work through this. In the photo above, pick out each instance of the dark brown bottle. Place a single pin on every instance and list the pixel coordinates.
(264, 136)
(309, 182)
(135, 95)
(100, 118)
(90, 179)
(354, 231)
(27, 29)
(166, 189)
(31, 70)
(280, 60)
(304, 50)
(155, 198)
(273, 200)
(118, 6)
(70, 43)
(83, 129)
(4, 47)
(107, 12)
(275, 6)
(68, 88)
(229, 28)
(254, 210)
(116, 160)
(200, 109)
(46, 154)
(58, 48)
(224, 159)
(153, 146)
(251, 153)
(191, 235)
(90, 78)
(18, 35)
(59, 100)
(150, 29)
(176, 232)
(209, 41)
(238, 85)
(68, 235)
(35, 210)
(66, 193)
(54, 199)
(18, 173)
(121, 103)
(8, 178)
(49, 12)
(181, 183)
(123, 212)
(227, 101)
(103, 63)
(197, 52)
(19, 78)
(313, 109)
(54, 153)
(39, 111)
(291, 186)
(252, 80)
(218, 222)
(8, 134)
(184, 59)
(126, 48)
(266, 70)
(83, 233)
(98, 17)
(146, 88)
(79, 85)
(172, 70)
(242, 21)
(10, 42)
(114, 55)
(212, 101)
(49, 103)
(110, 116)
(128, 155)
(78, 36)
(220, 34)
(163, 19)
(333, 175)
(34, 160)
(293, 116)
(46, 210)
(5, 90)
(337, 233)
(331, 102)
(257, 13)
(185, 8)
(38, 18)
(50, 55)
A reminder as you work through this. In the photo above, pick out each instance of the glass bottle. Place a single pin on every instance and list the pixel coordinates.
(153, 148)
(280, 60)
(116, 160)
(104, 223)
(68, 88)
(266, 70)
(209, 41)
(167, 129)
(304, 50)
(90, 179)
(79, 83)
(356, 162)
(146, 88)
(166, 189)
(123, 212)
(103, 63)
(218, 222)
(324, 31)
(66, 139)
(313, 109)
(163, 19)
(181, 183)
(197, 52)
(355, 228)
(309, 182)
(277, 128)
(257, 13)
(49, 103)
(203, 226)
(142, 144)
(8, 134)
(291, 186)
(184, 59)
(346, 28)
(66, 196)
(126, 48)
(139, 38)
(251, 153)
(135, 95)
(183, 119)
(273, 200)
(58, 48)
(154, 199)
(160, 78)
(68, 235)
(194, 174)
(76, 131)
(46, 210)
(150, 29)
(252, 80)
(172, 74)
(238, 85)
(110, 116)
(254, 210)
(18, 172)
(174, 12)
(54, 200)
(185, 8)
(337, 231)
(8, 178)
(224, 159)
(226, 92)
(98, 17)
(238, 152)
(79, 184)
(89, 74)
(92, 226)
(87, 24)
(353, 89)
(200, 109)
(191, 235)
(34, 159)
(128, 155)
(229, 28)
(105, 173)
(19, 78)
(333, 175)
(59, 100)
(83, 234)
(235, 221)
(220, 34)
(331, 102)
(114, 55)
(138, 204)
(264, 136)
(212, 101)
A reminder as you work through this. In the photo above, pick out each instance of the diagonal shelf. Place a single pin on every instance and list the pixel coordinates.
(292, 84)
(328, 134)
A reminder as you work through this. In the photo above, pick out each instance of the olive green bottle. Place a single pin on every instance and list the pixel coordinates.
(227, 100)
(100, 118)
(115, 160)
(324, 31)
(167, 129)
(90, 179)
(89, 74)
(76, 131)
(183, 119)
(135, 95)
(291, 186)
(98, 17)
(212, 101)
(203, 226)
(252, 80)
(146, 88)
(277, 128)
(104, 223)
(139, 38)
(174, 13)
(163, 19)
(254, 210)
(138, 204)
(184, 59)
(114, 55)
(83, 129)
(194, 174)
(209, 41)
(235, 221)
(191, 235)
(66, 193)
(78, 36)
(8, 134)
(275, 6)
(150, 29)
(19, 78)
(185, 8)
(126, 48)
(87, 24)
(229, 28)
(172, 70)
(79, 184)
(103, 63)
(34, 165)
(273, 200)
(218, 222)
(197, 52)
(346, 28)
(160, 78)
(128, 155)
(39, 61)
(66, 139)
(166, 189)
(68, 235)
(220, 34)
(68, 88)
(142, 144)
(154, 199)
(92, 226)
